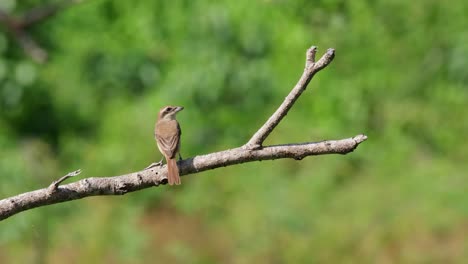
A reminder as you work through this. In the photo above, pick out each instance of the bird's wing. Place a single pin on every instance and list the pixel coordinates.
(168, 143)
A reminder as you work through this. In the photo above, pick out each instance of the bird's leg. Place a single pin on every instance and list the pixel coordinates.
(154, 164)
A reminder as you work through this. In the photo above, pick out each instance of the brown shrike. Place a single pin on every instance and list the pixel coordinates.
(167, 133)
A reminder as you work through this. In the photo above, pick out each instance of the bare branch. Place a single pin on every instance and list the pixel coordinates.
(311, 68)
(156, 175)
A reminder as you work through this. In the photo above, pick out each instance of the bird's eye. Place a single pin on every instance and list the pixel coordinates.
(168, 109)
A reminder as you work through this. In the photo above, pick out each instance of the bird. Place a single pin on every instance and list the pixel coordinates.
(167, 134)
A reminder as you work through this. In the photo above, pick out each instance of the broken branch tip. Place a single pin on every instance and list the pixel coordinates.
(360, 138)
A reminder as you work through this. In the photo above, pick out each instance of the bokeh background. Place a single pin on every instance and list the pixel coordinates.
(400, 76)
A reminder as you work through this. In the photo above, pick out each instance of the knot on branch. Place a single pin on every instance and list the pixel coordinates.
(121, 188)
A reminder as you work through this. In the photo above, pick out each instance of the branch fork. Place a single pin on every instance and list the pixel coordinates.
(311, 68)
(152, 176)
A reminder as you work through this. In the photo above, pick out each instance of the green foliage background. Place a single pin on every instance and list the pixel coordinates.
(400, 76)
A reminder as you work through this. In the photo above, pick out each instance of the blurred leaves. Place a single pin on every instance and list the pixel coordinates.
(399, 76)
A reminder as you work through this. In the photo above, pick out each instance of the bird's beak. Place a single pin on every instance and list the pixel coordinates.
(179, 108)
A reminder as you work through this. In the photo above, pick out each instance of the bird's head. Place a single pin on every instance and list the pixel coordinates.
(169, 112)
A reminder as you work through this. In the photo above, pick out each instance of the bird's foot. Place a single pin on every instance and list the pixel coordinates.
(154, 164)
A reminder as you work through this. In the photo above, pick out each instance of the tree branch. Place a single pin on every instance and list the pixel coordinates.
(154, 176)
(311, 68)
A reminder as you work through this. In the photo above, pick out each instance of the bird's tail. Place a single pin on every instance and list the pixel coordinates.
(172, 172)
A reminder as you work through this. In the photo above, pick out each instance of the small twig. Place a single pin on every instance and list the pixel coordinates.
(54, 185)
